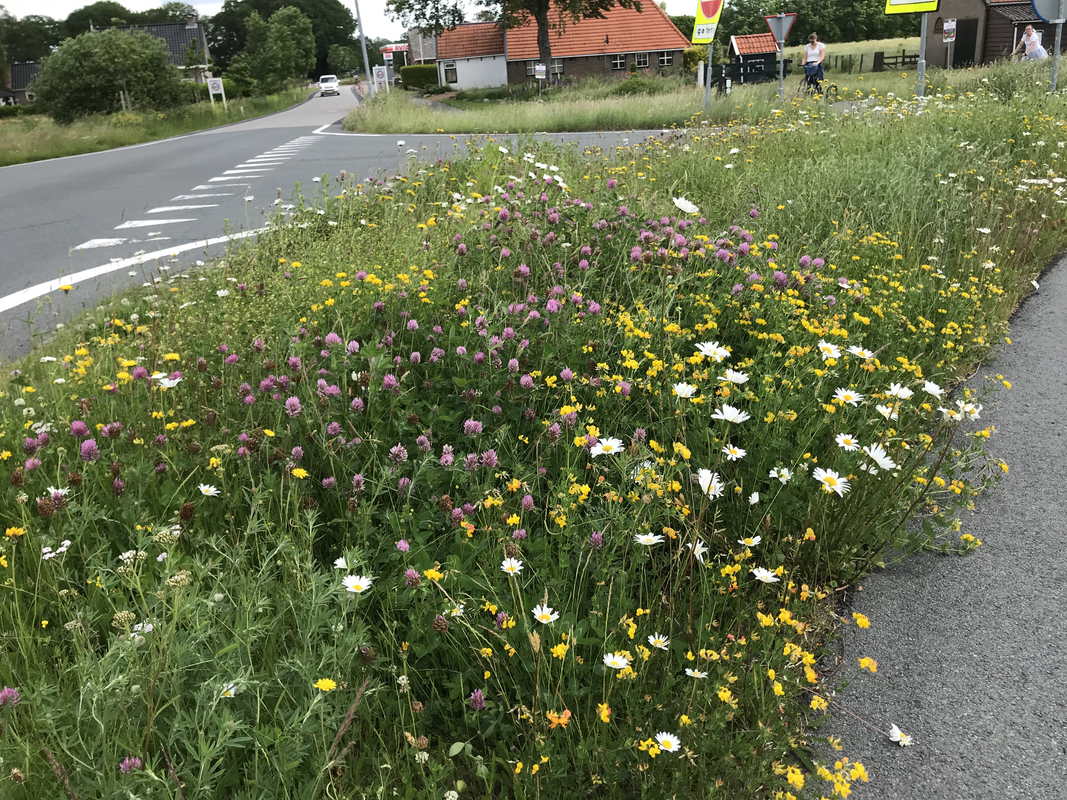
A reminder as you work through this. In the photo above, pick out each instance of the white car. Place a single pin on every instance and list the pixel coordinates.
(328, 84)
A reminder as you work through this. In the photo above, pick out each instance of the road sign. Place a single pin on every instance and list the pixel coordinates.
(381, 79)
(1048, 10)
(388, 56)
(950, 31)
(780, 25)
(707, 20)
(911, 6)
(214, 85)
(540, 72)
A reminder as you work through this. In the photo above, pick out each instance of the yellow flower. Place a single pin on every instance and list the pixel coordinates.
(5, 455)
(685, 720)
(268, 433)
(868, 663)
(604, 711)
(172, 357)
(325, 684)
(11, 533)
(817, 703)
(432, 574)
(3, 561)
(518, 768)
(861, 620)
(300, 472)
(560, 650)
(44, 623)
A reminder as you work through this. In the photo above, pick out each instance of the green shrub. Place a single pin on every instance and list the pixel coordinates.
(478, 95)
(7, 112)
(637, 86)
(29, 109)
(439, 88)
(691, 56)
(419, 76)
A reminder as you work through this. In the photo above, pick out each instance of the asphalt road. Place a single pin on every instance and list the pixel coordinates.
(972, 651)
(93, 220)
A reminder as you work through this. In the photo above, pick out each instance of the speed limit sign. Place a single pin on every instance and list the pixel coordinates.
(214, 85)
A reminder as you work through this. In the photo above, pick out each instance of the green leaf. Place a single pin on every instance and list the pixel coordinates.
(456, 749)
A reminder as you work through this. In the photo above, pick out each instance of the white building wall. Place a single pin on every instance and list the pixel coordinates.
(481, 72)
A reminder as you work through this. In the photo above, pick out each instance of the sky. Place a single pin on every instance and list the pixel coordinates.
(375, 22)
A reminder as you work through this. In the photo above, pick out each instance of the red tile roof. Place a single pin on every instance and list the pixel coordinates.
(476, 39)
(754, 44)
(623, 30)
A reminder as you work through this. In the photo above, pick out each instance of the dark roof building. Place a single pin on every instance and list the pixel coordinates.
(22, 74)
(178, 36)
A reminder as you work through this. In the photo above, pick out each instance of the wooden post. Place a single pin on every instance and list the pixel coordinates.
(860, 70)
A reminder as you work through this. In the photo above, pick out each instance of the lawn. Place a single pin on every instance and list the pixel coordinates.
(867, 49)
(529, 474)
(37, 137)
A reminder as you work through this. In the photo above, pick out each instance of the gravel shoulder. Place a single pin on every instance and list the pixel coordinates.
(971, 651)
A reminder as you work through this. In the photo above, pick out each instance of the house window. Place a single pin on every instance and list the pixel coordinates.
(530, 68)
(939, 25)
(618, 62)
(557, 67)
(641, 60)
(450, 73)
(666, 59)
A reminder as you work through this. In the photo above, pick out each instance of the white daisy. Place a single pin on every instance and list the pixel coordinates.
(616, 661)
(848, 396)
(668, 742)
(764, 575)
(898, 391)
(889, 412)
(512, 566)
(895, 733)
(969, 410)
(879, 456)
(750, 541)
(684, 390)
(731, 414)
(648, 539)
(544, 614)
(932, 389)
(860, 352)
(753, 498)
(713, 351)
(846, 442)
(455, 611)
(169, 383)
(340, 563)
(659, 641)
(710, 483)
(208, 490)
(831, 481)
(606, 446)
(827, 350)
(695, 673)
(783, 474)
(230, 690)
(685, 206)
(356, 584)
(699, 550)
(734, 377)
(733, 452)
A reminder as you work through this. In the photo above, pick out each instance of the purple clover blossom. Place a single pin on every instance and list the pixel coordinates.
(79, 429)
(528, 503)
(390, 383)
(89, 450)
(297, 453)
(397, 454)
(232, 359)
(358, 484)
(470, 462)
(472, 427)
(333, 429)
(477, 700)
(32, 463)
(332, 339)
(404, 486)
(489, 459)
(526, 382)
(129, 764)
(329, 483)
(639, 436)
(357, 405)
(447, 456)
(501, 619)
(520, 534)
(423, 443)
(596, 540)
(294, 362)
(292, 407)
(403, 546)
(9, 697)
(412, 579)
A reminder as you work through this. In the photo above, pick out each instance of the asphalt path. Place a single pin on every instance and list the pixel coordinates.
(107, 221)
(972, 651)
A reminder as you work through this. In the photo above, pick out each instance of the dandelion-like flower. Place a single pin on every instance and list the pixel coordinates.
(325, 684)
(668, 742)
(512, 566)
(734, 377)
(685, 206)
(713, 351)
(648, 539)
(659, 641)
(848, 396)
(764, 575)
(208, 490)
(356, 584)
(828, 350)
(684, 390)
(733, 452)
(730, 414)
(831, 481)
(616, 661)
(847, 442)
(710, 483)
(898, 736)
(606, 447)
(544, 614)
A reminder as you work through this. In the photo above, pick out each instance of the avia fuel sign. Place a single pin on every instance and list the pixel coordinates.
(708, 13)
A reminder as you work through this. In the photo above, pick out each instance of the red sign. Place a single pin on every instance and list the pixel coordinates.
(710, 7)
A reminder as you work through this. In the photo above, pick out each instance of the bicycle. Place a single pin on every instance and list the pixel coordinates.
(811, 87)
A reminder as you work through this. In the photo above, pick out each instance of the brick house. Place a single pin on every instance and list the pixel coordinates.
(626, 38)
(986, 31)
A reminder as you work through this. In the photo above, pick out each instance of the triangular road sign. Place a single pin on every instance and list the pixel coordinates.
(780, 25)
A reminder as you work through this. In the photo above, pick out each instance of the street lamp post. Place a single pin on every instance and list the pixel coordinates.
(363, 42)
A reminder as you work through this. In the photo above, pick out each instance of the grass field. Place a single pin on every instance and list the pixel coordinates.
(891, 47)
(531, 474)
(36, 138)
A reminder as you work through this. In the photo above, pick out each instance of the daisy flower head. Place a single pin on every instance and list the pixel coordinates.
(208, 490)
(848, 396)
(846, 442)
(730, 414)
(230, 690)
(695, 673)
(356, 584)
(950, 413)
(969, 410)
(698, 548)
(544, 614)
(606, 447)
(713, 351)
(648, 539)
(710, 483)
(860, 352)
(889, 412)
(898, 736)
(750, 541)
(668, 742)
(685, 206)
(616, 661)
(933, 389)
(734, 377)
(512, 566)
(340, 563)
(831, 481)
(764, 575)
(659, 641)
(684, 390)
(899, 392)
(733, 452)
(753, 498)
(783, 474)
(879, 456)
(828, 350)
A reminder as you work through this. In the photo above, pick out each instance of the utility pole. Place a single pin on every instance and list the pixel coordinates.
(366, 61)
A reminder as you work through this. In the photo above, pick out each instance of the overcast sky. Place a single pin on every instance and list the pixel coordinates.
(375, 22)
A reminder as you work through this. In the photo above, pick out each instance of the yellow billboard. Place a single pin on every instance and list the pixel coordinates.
(910, 6)
(708, 13)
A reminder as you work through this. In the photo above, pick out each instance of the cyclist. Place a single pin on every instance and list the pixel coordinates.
(814, 53)
(1032, 44)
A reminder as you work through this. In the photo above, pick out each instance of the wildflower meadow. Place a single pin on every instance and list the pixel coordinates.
(534, 472)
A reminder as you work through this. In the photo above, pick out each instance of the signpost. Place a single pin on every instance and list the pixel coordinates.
(1053, 11)
(949, 35)
(923, 7)
(214, 87)
(363, 42)
(381, 79)
(540, 73)
(780, 25)
(707, 20)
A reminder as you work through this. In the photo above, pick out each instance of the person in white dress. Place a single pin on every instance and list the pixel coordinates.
(1030, 44)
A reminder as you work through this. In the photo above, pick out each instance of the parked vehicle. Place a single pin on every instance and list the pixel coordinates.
(329, 85)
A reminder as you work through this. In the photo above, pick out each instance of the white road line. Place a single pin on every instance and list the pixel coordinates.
(33, 292)
(252, 162)
(233, 178)
(148, 223)
(198, 196)
(245, 171)
(92, 244)
(167, 209)
(221, 186)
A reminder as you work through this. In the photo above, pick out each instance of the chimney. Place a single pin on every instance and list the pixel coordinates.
(191, 22)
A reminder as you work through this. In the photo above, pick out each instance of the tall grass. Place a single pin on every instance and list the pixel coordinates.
(36, 138)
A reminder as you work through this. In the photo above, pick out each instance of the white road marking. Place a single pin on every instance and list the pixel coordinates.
(255, 162)
(221, 186)
(92, 244)
(147, 223)
(245, 171)
(167, 209)
(32, 293)
(198, 196)
(233, 178)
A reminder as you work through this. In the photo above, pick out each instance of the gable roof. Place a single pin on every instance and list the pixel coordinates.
(475, 39)
(1022, 12)
(1004, 2)
(22, 74)
(623, 30)
(754, 44)
(177, 36)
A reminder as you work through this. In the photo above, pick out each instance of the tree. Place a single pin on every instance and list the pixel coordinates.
(5, 20)
(87, 73)
(30, 38)
(96, 15)
(331, 22)
(341, 59)
(168, 12)
(549, 15)
(684, 23)
(276, 51)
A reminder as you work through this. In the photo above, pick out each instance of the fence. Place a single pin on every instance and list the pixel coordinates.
(753, 72)
(847, 63)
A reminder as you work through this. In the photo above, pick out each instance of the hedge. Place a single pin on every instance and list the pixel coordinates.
(419, 76)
